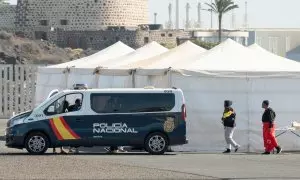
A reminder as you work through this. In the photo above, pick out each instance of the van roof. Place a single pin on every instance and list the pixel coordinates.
(128, 90)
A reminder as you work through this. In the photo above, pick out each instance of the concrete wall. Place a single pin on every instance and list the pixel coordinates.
(7, 17)
(278, 41)
(167, 37)
(213, 36)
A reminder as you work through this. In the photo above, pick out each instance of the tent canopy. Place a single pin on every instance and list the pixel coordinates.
(204, 91)
(116, 50)
(165, 60)
(149, 50)
(265, 53)
(230, 56)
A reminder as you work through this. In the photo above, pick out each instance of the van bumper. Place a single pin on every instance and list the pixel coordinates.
(178, 141)
(12, 140)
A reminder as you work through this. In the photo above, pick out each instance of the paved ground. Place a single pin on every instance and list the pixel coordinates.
(17, 164)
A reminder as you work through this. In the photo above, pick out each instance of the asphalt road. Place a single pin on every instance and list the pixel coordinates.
(17, 164)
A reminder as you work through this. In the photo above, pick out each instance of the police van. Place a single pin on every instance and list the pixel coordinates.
(149, 118)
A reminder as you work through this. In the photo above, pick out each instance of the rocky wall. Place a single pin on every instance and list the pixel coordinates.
(80, 15)
(92, 39)
(7, 17)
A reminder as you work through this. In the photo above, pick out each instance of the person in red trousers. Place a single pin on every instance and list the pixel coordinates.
(268, 119)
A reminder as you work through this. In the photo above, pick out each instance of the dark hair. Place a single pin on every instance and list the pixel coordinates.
(227, 103)
(77, 101)
(266, 102)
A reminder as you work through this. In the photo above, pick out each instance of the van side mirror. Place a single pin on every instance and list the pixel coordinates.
(51, 109)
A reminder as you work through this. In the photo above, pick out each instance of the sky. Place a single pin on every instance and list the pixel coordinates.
(261, 13)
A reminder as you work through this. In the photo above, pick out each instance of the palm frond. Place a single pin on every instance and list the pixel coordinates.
(213, 7)
(222, 6)
(230, 8)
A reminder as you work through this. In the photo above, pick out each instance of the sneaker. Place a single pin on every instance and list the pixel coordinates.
(63, 152)
(74, 151)
(227, 151)
(266, 153)
(279, 149)
(236, 149)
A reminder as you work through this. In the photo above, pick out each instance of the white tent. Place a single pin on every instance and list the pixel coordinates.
(116, 50)
(149, 50)
(258, 49)
(113, 78)
(228, 71)
(155, 71)
(62, 76)
(165, 60)
(232, 57)
(231, 71)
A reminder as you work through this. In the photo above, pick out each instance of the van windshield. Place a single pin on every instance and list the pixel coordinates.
(49, 99)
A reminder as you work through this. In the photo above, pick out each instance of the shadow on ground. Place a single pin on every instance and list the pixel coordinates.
(260, 178)
(82, 154)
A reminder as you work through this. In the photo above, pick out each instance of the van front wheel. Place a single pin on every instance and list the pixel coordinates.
(156, 143)
(36, 143)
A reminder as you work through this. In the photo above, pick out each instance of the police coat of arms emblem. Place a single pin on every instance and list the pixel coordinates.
(169, 124)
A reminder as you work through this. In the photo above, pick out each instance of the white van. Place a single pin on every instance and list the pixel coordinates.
(148, 118)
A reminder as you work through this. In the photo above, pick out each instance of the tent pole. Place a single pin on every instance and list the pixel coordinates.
(97, 80)
(248, 111)
(97, 75)
(149, 79)
(133, 71)
(66, 72)
(170, 80)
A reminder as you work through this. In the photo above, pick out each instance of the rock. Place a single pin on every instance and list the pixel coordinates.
(17, 50)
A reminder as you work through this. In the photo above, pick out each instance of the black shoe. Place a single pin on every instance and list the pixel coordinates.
(236, 149)
(227, 151)
(266, 153)
(279, 149)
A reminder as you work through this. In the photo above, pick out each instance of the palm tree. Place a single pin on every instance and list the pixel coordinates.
(221, 7)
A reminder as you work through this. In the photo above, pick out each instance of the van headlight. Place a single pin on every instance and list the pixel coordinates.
(18, 119)
(14, 122)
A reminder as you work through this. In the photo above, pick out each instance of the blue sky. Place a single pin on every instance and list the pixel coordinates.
(261, 13)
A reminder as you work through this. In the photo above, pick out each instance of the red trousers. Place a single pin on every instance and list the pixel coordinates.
(270, 141)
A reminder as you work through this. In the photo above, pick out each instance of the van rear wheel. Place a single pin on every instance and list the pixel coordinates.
(156, 143)
(36, 143)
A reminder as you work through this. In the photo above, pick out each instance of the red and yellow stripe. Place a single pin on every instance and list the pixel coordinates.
(62, 130)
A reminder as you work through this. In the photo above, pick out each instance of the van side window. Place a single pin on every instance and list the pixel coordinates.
(67, 103)
(132, 103)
